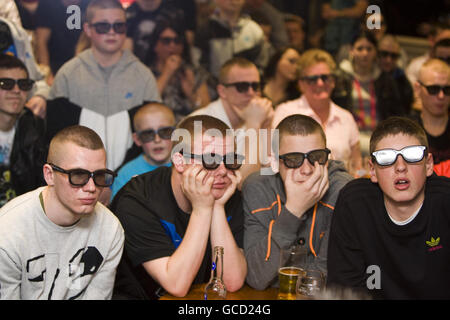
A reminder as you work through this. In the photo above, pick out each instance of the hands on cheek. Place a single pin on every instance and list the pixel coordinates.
(235, 177)
(300, 196)
(197, 187)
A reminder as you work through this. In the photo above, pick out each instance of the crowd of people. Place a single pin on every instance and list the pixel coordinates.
(134, 144)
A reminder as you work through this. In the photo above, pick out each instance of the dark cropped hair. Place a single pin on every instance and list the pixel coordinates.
(79, 135)
(271, 68)
(162, 25)
(188, 125)
(441, 43)
(8, 62)
(299, 125)
(100, 4)
(235, 61)
(365, 34)
(397, 125)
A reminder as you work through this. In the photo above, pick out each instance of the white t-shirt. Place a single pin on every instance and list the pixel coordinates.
(42, 260)
(6, 144)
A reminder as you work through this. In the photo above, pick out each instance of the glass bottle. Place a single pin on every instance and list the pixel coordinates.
(215, 289)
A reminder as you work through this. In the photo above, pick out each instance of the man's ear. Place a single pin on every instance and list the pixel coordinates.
(178, 162)
(221, 90)
(429, 164)
(87, 30)
(274, 164)
(373, 174)
(48, 174)
(136, 139)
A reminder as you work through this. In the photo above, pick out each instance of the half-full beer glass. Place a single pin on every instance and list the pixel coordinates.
(291, 267)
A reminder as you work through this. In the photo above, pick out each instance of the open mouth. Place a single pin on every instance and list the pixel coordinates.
(158, 150)
(401, 184)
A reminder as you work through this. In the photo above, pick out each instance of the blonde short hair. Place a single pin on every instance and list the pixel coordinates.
(312, 57)
(435, 65)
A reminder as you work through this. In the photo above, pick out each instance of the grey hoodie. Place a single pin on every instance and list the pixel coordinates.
(105, 98)
(264, 202)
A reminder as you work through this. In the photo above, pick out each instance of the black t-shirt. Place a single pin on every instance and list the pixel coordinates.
(412, 261)
(154, 227)
(61, 45)
(440, 145)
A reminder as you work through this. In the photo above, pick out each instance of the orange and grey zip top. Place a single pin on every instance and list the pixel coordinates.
(269, 226)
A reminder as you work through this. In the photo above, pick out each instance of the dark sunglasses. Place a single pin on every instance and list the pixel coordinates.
(434, 89)
(150, 135)
(387, 157)
(80, 177)
(8, 84)
(385, 54)
(212, 161)
(243, 86)
(168, 40)
(104, 27)
(311, 80)
(295, 160)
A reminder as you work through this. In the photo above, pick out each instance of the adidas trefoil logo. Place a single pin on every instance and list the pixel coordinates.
(434, 244)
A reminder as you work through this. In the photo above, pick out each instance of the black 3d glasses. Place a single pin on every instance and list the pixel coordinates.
(80, 177)
(150, 135)
(24, 84)
(311, 80)
(434, 89)
(243, 86)
(104, 27)
(168, 40)
(295, 160)
(212, 161)
(385, 54)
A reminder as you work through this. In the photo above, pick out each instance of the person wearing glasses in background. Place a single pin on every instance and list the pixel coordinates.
(389, 233)
(395, 93)
(58, 242)
(173, 217)
(441, 50)
(104, 85)
(183, 87)
(241, 106)
(433, 90)
(316, 81)
(295, 205)
(22, 135)
(154, 123)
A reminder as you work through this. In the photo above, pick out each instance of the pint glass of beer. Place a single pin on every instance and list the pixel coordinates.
(292, 266)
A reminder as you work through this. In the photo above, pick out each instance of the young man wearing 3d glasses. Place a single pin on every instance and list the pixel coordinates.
(154, 123)
(389, 235)
(433, 90)
(58, 242)
(242, 108)
(293, 206)
(103, 85)
(173, 216)
(22, 146)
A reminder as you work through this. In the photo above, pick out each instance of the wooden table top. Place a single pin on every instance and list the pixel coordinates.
(245, 293)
